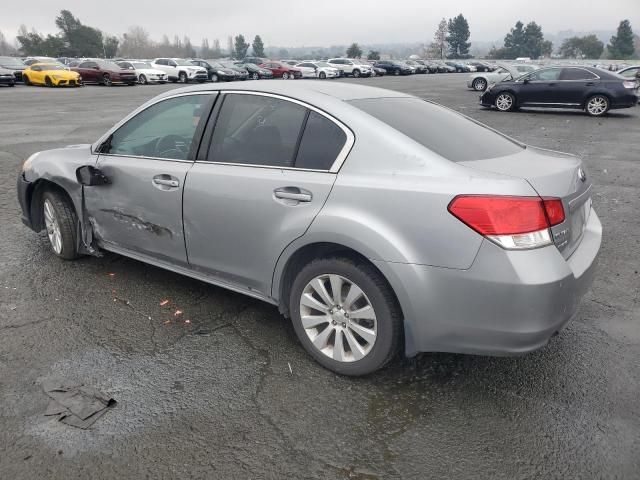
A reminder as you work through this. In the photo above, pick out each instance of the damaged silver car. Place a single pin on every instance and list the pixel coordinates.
(378, 222)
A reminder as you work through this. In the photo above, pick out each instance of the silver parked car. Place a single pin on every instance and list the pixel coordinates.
(479, 81)
(358, 211)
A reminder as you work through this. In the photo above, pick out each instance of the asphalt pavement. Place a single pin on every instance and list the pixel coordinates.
(212, 384)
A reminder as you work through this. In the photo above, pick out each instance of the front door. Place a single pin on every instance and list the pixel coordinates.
(266, 175)
(541, 88)
(147, 160)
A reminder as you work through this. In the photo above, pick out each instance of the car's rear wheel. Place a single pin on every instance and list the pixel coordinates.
(505, 102)
(345, 315)
(285, 76)
(106, 80)
(142, 79)
(182, 77)
(479, 84)
(597, 105)
(48, 82)
(60, 222)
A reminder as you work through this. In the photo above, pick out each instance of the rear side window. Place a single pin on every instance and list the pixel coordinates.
(257, 130)
(439, 129)
(576, 74)
(321, 143)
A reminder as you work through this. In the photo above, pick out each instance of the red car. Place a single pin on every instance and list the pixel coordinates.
(104, 72)
(282, 70)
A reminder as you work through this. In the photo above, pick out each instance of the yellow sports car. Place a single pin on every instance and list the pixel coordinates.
(51, 75)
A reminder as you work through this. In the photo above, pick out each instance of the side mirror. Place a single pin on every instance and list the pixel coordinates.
(90, 176)
(96, 68)
(525, 81)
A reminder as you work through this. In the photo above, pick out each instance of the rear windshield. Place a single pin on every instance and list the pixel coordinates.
(439, 129)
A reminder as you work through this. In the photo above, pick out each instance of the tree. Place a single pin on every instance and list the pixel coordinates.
(216, 51)
(439, 44)
(257, 46)
(241, 47)
(136, 43)
(523, 41)
(230, 51)
(110, 46)
(80, 40)
(373, 55)
(514, 41)
(205, 49)
(582, 47)
(621, 45)
(533, 40)
(283, 53)
(5, 48)
(354, 51)
(547, 48)
(188, 50)
(458, 34)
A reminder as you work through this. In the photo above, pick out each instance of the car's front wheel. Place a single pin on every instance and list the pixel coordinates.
(597, 105)
(479, 84)
(106, 80)
(285, 76)
(345, 315)
(60, 223)
(255, 76)
(182, 77)
(505, 102)
(142, 79)
(322, 75)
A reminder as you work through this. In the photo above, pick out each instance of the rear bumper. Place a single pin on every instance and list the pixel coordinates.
(507, 303)
(7, 81)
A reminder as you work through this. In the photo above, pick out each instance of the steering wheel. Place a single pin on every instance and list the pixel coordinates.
(171, 145)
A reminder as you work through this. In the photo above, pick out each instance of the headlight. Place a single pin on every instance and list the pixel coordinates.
(27, 163)
(220, 72)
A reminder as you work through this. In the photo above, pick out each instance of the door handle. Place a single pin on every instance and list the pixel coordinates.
(589, 84)
(166, 181)
(293, 193)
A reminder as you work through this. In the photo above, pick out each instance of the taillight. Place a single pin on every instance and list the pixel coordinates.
(511, 222)
(629, 84)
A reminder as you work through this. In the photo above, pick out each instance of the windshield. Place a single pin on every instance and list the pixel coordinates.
(8, 62)
(216, 65)
(51, 67)
(108, 65)
(431, 125)
(229, 65)
(183, 63)
(141, 65)
(323, 65)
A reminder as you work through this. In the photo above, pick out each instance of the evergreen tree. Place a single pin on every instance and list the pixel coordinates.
(257, 46)
(459, 33)
(241, 47)
(621, 45)
(354, 51)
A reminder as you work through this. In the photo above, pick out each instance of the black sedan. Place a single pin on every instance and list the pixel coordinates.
(241, 72)
(394, 68)
(585, 88)
(255, 72)
(7, 77)
(215, 71)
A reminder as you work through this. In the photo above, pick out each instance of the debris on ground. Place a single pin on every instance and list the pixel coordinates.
(74, 403)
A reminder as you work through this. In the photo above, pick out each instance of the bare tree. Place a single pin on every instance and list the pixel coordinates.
(439, 45)
(137, 44)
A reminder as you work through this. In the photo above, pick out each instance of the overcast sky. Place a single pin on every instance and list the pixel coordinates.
(320, 22)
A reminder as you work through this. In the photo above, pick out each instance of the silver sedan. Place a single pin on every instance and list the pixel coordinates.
(378, 222)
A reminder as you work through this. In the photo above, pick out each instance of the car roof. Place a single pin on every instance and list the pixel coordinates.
(305, 90)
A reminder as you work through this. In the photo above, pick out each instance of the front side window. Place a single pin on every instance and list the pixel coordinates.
(576, 74)
(547, 75)
(164, 130)
(257, 130)
(631, 73)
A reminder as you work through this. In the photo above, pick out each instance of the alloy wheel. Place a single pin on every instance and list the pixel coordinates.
(53, 227)
(143, 79)
(255, 76)
(106, 80)
(479, 84)
(338, 318)
(285, 76)
(597, 106)
(504, 102)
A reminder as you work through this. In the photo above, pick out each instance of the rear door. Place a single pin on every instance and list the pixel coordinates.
(575, 85)
(266, 173)
(147, 160)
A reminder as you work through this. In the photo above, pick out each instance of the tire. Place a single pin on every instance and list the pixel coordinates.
(356, 73)
(182, 77)
(255, 76)
(396, 72)
(60, 222)
(12, 84)
(142, 79)
(505, 102)
(285, 76)
(374, 291)
(47, 82)
(26, 80)
(322, 75)
(479, 84)
(106, 80)
(214, 78)
(597, 105)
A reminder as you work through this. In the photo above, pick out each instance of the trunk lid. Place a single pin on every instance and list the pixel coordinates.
(551, 174)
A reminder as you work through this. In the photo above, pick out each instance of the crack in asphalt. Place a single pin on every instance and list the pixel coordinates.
(27, 324)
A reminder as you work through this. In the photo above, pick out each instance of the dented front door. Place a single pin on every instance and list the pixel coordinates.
(141, 209)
